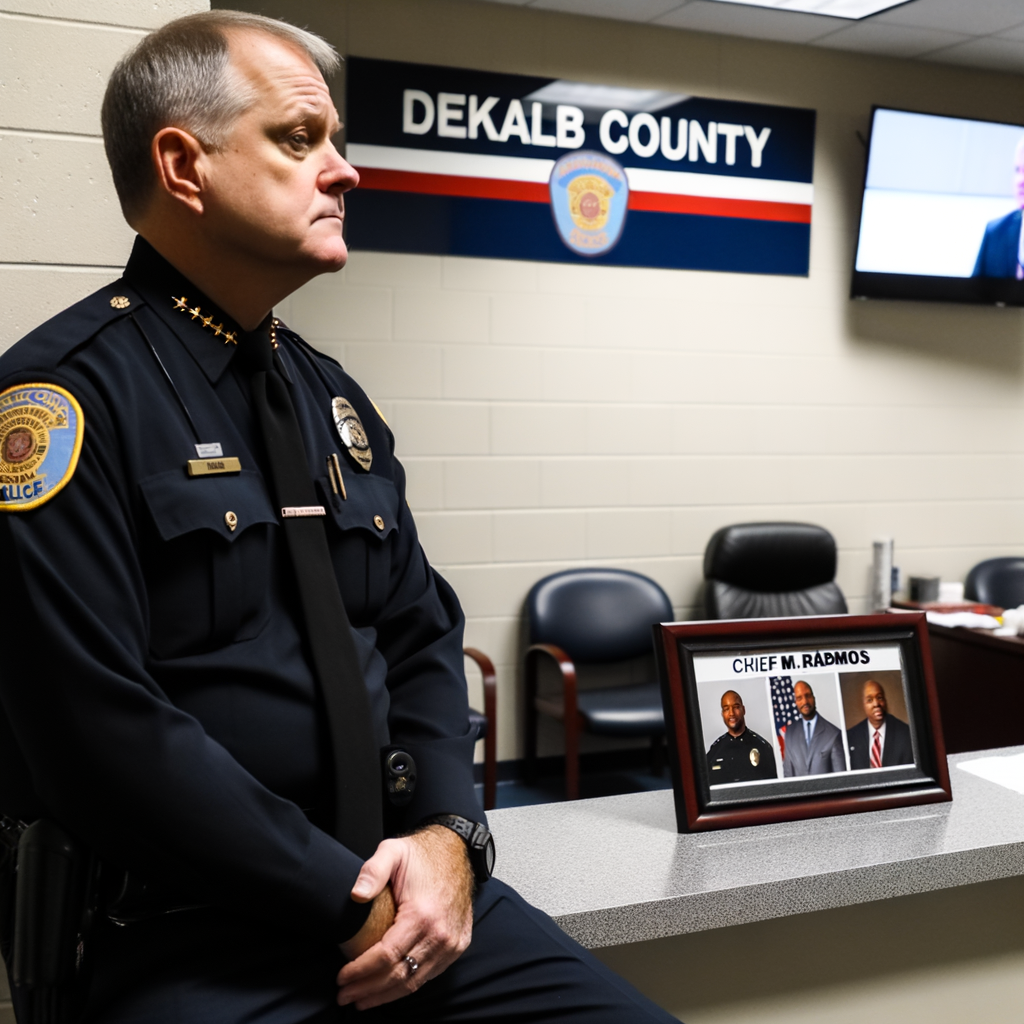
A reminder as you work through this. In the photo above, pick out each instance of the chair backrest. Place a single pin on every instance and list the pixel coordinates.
(998, 581)
(596, 615)
(761, 570)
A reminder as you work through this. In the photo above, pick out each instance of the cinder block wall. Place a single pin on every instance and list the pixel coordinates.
(63, 235)
(554, 416)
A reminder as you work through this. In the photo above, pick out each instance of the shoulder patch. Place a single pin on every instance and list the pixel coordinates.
(41, 429)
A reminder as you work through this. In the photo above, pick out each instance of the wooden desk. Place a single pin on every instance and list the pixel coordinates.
(980, 682)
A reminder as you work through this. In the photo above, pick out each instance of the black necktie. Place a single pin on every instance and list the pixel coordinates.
(357, 771)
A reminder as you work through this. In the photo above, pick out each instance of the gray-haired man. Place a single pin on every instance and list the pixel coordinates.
(162, 439)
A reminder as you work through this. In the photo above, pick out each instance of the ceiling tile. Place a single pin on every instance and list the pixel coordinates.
(755, 22)
(889, 40)
(622, 10)
(971, 17)
(991, 52)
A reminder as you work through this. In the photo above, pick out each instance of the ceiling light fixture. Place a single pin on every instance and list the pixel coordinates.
(852, 10)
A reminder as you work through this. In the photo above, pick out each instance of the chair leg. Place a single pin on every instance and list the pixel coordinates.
(530, 758)
(572, 757)
(657, 755)
(490, 772)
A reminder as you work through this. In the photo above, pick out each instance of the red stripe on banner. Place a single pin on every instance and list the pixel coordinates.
(534, 192)
(452, 185)
(708, 206)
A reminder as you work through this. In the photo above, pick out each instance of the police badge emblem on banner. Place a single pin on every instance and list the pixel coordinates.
(589, 198)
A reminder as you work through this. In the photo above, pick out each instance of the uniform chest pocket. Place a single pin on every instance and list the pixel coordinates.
(209, 560)
(366, 524)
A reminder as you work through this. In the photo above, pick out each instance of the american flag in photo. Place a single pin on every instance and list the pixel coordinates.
(784, 707)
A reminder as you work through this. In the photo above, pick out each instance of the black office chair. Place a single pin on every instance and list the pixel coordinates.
(590, 617)
(768, 570)
(486, 724)
(998, 581)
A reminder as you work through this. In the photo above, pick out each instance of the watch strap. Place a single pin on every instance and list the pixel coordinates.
(462, 826)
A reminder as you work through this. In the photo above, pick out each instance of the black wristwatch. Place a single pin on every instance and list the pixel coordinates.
(479, 842)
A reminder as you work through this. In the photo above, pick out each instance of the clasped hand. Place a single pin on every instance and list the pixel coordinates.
(422, 887)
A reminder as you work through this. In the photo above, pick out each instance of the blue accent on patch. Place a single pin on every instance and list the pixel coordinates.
(41, 429)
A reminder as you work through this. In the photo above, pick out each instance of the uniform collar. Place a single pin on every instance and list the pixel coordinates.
(162, 286)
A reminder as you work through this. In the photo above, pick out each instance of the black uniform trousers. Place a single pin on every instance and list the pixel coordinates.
(202, 966)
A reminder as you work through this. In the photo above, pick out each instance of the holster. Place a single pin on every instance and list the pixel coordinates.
(10, 833)
(54, 904)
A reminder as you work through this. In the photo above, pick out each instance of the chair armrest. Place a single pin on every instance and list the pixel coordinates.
(490, 680)
(565, 667)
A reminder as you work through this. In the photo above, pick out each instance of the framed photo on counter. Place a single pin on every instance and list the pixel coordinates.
(780, 719)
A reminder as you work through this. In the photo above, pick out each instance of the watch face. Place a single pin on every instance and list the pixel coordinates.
(489, 854)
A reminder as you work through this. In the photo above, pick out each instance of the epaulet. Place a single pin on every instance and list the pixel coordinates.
(310, 350)
(53, 341)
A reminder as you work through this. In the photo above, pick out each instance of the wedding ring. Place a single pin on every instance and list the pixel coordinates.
(412, 964)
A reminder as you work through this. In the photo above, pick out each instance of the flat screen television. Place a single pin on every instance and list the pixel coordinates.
(940, 217)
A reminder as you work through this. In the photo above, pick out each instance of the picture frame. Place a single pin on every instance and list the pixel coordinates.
(731, 764)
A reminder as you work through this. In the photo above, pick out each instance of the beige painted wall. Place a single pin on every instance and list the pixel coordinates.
(554, 416)
(63, 235)
(698, 399)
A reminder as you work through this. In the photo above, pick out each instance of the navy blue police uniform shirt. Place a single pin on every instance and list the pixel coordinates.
(156, 696)
(744, 758)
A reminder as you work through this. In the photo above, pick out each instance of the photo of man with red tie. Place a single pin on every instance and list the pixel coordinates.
(881, 739)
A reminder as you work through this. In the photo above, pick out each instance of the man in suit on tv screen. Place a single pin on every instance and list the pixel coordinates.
(1002, 249)
(881, 739)
(814, 746)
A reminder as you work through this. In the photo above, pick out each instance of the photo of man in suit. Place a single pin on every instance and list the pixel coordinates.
(814, 746)
(881, 739)
(1002, 249)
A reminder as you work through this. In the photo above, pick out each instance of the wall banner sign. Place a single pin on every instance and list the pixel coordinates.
(473, 163)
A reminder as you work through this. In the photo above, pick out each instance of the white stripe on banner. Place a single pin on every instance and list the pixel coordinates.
(517, 168)
(465, 165)
(719, 186)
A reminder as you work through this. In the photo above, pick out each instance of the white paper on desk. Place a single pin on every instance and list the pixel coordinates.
(1004, 771)
(969, 620)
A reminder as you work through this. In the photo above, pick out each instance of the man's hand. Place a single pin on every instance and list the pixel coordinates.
(432, 884)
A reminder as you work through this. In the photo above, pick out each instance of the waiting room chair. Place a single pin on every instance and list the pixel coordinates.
(486, 724)
(998, 581)
(767, 570)
(592, 617)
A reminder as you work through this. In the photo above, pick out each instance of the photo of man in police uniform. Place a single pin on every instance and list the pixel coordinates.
(739, 754)
(226, 648)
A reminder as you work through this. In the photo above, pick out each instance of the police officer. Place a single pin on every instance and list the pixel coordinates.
(165, 696)
(739, 754)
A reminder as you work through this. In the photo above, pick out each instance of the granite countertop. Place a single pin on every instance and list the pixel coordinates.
(614, 870)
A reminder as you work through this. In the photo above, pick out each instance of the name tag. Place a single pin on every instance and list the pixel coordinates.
(302, 511)
(211, 467)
